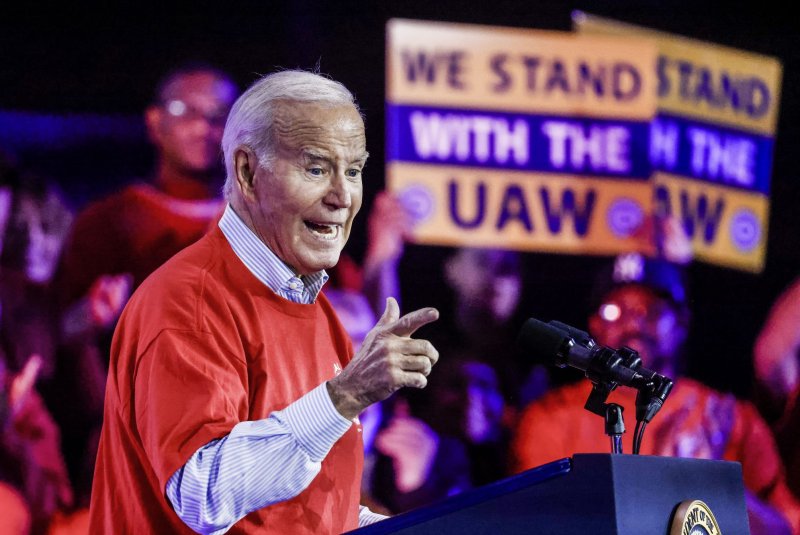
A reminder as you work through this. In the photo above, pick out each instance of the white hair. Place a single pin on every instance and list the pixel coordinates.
(251, 118)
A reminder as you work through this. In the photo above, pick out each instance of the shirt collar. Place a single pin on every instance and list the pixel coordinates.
(263, 263)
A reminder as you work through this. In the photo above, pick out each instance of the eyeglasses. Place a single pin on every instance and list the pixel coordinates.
(186, 112)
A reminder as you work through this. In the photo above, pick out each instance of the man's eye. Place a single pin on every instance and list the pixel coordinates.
(316, 171)
(353, 173)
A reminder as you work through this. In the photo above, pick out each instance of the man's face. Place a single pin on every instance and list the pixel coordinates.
(187, 126)
(305, 204)
(636, 317)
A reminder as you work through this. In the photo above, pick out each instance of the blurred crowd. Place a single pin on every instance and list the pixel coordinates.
(487, 413)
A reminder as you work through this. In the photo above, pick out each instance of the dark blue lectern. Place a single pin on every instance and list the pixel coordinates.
(589, 494)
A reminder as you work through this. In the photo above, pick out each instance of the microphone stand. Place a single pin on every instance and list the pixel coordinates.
(615, 426)
(606, 368)
(602, 387)
(651, 393)
(611, 412)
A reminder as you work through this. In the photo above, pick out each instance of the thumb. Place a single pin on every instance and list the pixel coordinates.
(391, 313)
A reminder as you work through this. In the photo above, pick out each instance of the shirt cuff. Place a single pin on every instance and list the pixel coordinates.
(367, 517)
(316, 423)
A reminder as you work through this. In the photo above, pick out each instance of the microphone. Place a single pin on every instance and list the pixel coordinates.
(561, 345)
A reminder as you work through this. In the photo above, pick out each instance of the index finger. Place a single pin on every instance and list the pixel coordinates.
(408, 324)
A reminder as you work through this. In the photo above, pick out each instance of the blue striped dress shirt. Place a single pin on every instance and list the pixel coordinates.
(227, 478)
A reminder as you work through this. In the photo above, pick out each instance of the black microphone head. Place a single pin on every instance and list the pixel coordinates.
(543, 342)
(577, 335)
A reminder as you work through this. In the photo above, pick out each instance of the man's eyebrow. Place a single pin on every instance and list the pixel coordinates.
(314, 154)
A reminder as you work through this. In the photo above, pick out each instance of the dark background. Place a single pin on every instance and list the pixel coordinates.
(73, 84)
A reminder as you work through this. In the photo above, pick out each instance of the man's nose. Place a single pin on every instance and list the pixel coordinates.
(634, 320)
(340, 194)
(201, 125)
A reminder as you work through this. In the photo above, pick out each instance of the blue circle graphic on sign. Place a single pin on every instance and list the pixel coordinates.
(745, 230)
(624, 217)
(418, 201)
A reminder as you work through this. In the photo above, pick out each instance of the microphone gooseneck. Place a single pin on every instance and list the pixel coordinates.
(561, 345)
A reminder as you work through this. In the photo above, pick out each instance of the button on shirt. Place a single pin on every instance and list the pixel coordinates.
(295, 440)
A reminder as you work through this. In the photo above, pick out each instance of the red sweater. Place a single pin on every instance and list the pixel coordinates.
(132, 231)
(202, 346)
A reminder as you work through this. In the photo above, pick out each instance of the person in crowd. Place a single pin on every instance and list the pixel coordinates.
(423, 447)
(117, 241)
(642, 304)
(443, 440)
(388, 228)
(233, 389)
(419, 449)
(776, 356)
(486, 287)
(413, 464)
(32, 469)
(34, 220)
(468, 404)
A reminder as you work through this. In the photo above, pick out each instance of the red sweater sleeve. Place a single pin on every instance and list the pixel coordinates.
(188, 392)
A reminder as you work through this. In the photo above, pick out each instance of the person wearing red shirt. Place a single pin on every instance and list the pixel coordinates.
(642, 304)
(137, 229)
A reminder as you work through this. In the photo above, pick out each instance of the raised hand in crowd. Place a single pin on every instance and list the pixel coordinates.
(666, 234)
(388, 226)
(411, 444)
(673, 241)
(101, 306)
(30, 455)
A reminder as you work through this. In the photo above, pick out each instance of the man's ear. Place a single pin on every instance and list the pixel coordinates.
(152, 120)
(245, 164)
(595, 324)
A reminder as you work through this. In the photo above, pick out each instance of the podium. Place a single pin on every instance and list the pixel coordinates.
(596, 494)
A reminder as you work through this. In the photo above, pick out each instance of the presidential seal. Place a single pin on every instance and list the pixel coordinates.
(693, 517)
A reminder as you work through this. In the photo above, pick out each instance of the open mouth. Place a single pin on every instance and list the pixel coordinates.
(326, 231)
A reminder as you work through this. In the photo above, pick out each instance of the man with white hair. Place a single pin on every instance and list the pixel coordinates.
(233, 390)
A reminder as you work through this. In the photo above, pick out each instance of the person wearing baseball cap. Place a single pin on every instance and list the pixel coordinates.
(643, 304)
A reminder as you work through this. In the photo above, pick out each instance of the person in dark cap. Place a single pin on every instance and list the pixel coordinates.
(642, 304)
